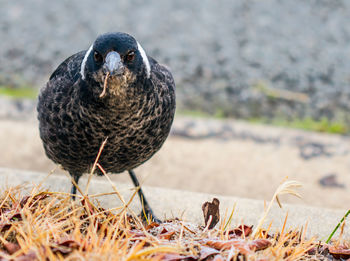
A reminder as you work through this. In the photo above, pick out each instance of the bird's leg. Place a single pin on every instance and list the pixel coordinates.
(147, 211)
(74, 188)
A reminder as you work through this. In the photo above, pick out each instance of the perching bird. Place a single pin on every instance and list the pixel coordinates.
(115, 91)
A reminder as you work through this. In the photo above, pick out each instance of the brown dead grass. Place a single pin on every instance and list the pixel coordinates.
(46, 225)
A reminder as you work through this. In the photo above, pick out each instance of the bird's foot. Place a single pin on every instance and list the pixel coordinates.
(148, 216)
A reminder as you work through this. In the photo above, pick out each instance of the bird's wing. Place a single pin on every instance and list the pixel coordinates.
(69, 67)
(162, 74)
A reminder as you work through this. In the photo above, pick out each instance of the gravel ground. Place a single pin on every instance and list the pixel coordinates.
(225, 55)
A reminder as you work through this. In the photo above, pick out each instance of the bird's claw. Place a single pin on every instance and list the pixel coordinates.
(147, 215)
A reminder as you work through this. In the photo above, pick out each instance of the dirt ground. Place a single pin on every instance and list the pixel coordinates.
(221, 157)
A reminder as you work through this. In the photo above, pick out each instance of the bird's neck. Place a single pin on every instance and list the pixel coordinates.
(119, 101)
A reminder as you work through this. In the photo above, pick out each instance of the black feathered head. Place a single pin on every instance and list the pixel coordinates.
(116, 58)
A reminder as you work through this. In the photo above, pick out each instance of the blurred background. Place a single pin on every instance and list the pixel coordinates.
(262, 88)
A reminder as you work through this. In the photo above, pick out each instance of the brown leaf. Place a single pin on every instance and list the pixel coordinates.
(3, 210)
(89, 207)
(164, 230)
(30, 256)
(24, 201)
(239, 244)
(265, 233)
(5, 227)
(34, 199)
(66, 246)
(70, 243)
(211, 209)
(259, 244)
(312, 251)
(12, 248)
(167, 235)
(241, 230)
(339, 251)
(61, 249)
(320, 248)
(206, 252)
(152, 225)
(16, 217)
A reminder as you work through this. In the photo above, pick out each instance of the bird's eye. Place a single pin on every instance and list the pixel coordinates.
(98, 57)
(130, 56)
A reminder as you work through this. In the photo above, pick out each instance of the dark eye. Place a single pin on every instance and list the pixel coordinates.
(130, 56)
(98, 57)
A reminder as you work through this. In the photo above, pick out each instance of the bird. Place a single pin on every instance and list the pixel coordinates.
(112, 91)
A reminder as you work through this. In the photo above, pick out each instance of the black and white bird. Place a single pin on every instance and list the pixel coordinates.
(115, 91)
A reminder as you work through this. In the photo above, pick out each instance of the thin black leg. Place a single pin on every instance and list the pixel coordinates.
(144, 203)
(74, 188)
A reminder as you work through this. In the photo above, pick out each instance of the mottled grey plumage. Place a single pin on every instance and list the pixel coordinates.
(135, 114)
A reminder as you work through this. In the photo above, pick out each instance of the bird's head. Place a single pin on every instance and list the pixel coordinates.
(113, 63)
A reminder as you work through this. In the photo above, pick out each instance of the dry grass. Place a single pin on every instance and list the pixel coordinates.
(105, 85)
(287, 187)
(48, 225)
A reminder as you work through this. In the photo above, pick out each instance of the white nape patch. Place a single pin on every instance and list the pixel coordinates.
(82, 66)
(145, 60)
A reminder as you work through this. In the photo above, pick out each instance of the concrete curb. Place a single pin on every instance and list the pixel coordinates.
(174, 203)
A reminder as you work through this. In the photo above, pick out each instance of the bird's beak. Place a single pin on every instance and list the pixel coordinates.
(113, 64)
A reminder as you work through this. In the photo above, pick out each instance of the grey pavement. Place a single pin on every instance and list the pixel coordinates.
(187, 205)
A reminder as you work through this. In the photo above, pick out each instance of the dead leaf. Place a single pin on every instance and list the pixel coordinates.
(11, 248)
(259, 244)
(3, 210)
(34, 200)
(152, 225)
(66, 246)
(88, 206)
(69, 243)
(264, 233)
(211, 209)
(61, 249)
(30, 256)
(5, 227)
(16, 217)
(241, 230)
(239, 244)
(339, 252)
(164, 230)
(167, 235)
